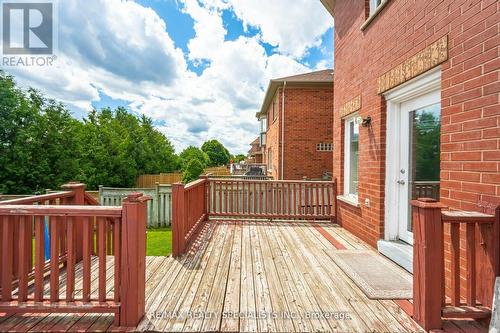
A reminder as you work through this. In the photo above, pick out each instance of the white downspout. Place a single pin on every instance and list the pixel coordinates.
(283, 131)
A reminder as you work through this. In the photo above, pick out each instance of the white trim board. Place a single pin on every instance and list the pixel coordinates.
(427, 83)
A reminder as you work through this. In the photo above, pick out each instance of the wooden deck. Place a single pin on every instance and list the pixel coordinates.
(249, 277)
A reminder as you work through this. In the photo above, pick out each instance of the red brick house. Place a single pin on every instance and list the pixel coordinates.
(416, 112)
(255, 152)
(296, 126)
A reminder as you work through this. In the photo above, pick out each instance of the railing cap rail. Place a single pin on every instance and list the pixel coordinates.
(137, 197)
(37, 198)
(427, 203)
(325, 182)
(458, 216)
(53, 210)
(195, 183)
(73, 185)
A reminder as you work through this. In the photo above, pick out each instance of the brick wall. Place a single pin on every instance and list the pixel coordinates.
(273, 136)
(308, 121)
(470, 133)
(470, 97)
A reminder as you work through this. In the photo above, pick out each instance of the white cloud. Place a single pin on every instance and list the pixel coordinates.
(293, 26)
(124, 51)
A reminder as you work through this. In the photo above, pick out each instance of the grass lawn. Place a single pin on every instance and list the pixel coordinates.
(159, 242)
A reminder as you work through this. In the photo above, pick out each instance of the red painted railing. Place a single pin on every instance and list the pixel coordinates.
(194, 203)
(272, 199)
(78, 231)
(480, 252)
(189, 211)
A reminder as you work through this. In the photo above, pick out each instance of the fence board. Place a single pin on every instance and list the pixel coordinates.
(159, 209)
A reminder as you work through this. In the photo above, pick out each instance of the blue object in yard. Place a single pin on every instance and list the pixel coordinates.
(46, 236)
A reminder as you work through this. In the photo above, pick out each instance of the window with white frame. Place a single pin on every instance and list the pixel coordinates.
(324, 146)
(351, 153)
(374, 4)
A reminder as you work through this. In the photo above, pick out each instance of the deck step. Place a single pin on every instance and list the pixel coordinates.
(474, 312)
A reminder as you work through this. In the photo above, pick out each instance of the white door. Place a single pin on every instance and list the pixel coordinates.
(417, 157)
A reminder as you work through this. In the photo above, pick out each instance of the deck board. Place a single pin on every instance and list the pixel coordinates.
(245, 276)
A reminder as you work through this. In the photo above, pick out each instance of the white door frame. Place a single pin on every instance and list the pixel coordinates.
(427, 83)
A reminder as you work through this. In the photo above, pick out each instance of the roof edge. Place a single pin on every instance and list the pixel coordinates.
(274, 84)
(329, 5)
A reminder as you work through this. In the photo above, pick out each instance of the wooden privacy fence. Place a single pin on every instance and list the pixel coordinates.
(195, 202)
(80, 233)
(480, 252)
(159, 208)
(147, 181)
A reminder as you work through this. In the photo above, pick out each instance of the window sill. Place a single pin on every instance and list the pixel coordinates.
(349, 200)
(374, 15)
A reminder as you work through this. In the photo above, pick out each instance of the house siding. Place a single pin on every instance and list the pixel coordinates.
(308, 121)
(470, 86)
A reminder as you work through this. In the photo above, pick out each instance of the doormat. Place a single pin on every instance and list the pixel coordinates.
(376, 276)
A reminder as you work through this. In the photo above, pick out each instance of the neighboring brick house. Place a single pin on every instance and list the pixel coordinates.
(255, 152)
(298, 133)
(404, 72)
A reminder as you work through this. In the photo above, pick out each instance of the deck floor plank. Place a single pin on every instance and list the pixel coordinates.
(183, 304)
(305, 295)
(248, 322)
(262, 298)
(259, 270)
(201, 299)
(231, 303)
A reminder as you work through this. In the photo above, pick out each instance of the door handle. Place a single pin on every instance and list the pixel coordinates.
(401, 182)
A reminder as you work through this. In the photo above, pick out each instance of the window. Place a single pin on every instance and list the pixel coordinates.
(351, 150)
(269, 159)
(374, 4)
(263, 124)
(324, 146)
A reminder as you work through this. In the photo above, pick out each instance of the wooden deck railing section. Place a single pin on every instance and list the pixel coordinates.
(79, 229)
(189, 211)
(194, 203)
(271, 199)
(482, 259)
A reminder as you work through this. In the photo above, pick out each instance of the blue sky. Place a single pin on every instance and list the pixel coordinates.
(199, 68)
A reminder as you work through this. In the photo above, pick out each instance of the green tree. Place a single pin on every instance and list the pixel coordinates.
(43, 146)
(191, 153)
(38, 141)
(193, 170)
(120, 146)
(217, 154)
(238, 158)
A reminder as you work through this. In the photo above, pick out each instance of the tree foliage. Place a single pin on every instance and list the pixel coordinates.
(192, 171)
(238, 158)
(190, 153)
(43, 146)
(217, 154)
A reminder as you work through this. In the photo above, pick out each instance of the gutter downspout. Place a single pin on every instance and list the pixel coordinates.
(283, 130)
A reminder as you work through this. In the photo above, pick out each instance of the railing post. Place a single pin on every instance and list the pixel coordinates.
(78, 199)
(488, 258)
(178, 219)
(133, 259)
(428, 263)
(101, 191)
(205, 196)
